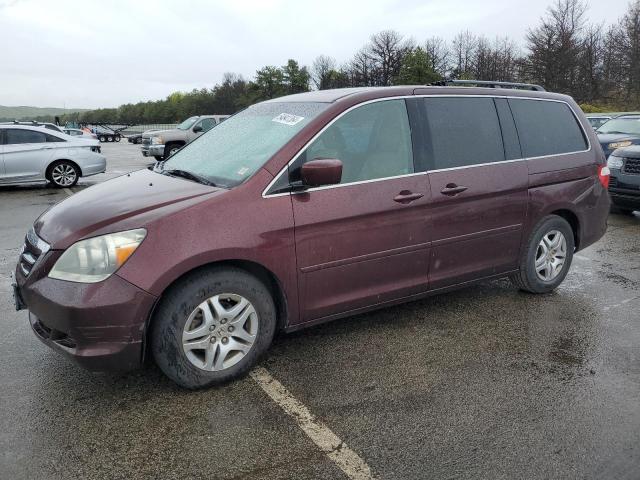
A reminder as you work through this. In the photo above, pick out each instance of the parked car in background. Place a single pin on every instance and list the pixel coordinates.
(619, 132)
(36, 154)
(624, 185)
(597, 119)
(164, 143)
(136, 138)
(49, 126)
(309, 208)
(77, 132)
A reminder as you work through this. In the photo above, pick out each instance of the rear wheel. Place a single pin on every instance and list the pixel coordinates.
(110, 138)
(63, 174)
(117, 138)
(212, 327)
(547, 257)
(102, 138)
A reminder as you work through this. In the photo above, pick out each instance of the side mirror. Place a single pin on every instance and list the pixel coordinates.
(321, 171)
(197, 129)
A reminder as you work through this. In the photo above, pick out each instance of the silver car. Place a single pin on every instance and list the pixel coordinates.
(36, 154)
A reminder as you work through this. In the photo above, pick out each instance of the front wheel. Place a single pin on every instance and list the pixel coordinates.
(212, 327)
(547, 257)
(117, 138)
(63, 174)
(102, 138)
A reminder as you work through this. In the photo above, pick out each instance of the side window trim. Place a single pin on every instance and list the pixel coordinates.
(268, 190)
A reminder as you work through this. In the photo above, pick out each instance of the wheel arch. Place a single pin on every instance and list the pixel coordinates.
(573, 220)
(47, 172)
(258, 270)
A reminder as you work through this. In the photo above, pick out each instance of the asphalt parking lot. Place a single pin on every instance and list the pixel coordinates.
(485, 382)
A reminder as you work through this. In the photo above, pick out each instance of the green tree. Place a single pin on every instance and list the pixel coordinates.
(269, 83)
(416, 69)
(296, 79)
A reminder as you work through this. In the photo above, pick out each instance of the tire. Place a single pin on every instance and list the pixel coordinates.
(110, 138)
(137, 141)
(528, 278)
(171, 149)
(63, 174)
(117, 138)
(174, 318)
(102, 138)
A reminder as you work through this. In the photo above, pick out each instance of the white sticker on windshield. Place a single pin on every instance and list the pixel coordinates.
(243, 171)
(288, 119)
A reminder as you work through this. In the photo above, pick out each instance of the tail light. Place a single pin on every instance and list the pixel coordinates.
(604, 174)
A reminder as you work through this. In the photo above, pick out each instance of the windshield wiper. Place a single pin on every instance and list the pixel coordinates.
(176, 172)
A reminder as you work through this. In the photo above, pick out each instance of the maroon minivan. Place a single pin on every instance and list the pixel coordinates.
(309, 208)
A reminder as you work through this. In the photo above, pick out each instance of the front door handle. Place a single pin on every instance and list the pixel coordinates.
(405, 196)
(452, 189)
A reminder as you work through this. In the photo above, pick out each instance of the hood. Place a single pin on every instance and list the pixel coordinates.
(628, 152)
(156, 132)
(129, 201)
(606, 138)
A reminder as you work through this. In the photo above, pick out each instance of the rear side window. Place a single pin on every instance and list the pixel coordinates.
(53, 138)
(546, 128)
(462, 131)
(18, 136)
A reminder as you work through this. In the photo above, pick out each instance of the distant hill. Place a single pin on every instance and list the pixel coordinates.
(27, 113)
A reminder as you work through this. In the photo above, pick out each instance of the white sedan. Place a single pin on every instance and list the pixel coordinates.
(35, 154)
(77, 132)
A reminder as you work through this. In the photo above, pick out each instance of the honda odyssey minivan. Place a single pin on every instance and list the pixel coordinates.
(310, 208)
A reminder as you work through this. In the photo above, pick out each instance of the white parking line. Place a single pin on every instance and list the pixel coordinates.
(346, 459)
(67, 191)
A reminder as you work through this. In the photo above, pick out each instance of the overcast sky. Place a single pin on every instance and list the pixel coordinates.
(104, 53)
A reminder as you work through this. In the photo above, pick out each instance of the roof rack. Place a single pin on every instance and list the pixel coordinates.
(491, 84)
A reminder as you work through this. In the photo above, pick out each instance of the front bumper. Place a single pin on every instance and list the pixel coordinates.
(100, 326)
(153, 150)
(624, 189)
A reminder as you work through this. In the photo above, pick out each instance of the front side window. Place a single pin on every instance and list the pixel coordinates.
(207, 124)
(372, 141)
(546, 127)
(186, 125)
(462, 131)
(53, 138)
(230, 153)
(18, 136)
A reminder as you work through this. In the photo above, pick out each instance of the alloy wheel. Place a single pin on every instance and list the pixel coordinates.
(64, 175)
(220, 332)
(551, 255)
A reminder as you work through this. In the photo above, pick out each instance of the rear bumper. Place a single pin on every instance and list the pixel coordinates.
(100, 326)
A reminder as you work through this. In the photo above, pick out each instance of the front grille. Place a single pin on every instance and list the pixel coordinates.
(613, 182)
(34, 247)
(57, 336)
(631, 166)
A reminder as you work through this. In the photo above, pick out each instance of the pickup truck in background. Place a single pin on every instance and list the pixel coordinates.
(163, 143)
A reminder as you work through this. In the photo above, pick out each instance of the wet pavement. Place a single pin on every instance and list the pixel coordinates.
(485, 382)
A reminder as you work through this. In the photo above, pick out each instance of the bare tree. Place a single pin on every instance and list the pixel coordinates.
(321, 70)
(555, 46)
(386, 50)
(463, 51)
(438, 52)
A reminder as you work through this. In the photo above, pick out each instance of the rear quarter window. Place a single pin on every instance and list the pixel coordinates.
(547, 128)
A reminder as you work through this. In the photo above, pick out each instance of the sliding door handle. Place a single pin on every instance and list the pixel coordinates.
(406, 196)
(452, 189)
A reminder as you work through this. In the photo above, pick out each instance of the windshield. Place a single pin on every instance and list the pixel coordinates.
(230, 153)
(630, 126)
(186, 125)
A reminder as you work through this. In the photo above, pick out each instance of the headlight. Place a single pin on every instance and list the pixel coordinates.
(96, 259)
(614, 162)
(615, 145)
(157, 141)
